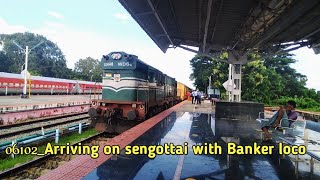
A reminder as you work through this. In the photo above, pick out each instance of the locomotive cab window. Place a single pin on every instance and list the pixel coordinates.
(151, 77)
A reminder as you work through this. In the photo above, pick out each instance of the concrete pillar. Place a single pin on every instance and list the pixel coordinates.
(230, 84)
(236, 60)
(236, 76)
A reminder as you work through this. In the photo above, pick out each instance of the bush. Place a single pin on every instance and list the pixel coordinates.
(302, 103)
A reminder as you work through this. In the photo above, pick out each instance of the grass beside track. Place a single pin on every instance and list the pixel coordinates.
(9, 162)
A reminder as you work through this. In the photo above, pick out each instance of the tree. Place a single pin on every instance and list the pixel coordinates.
(5, 63)
(263, 80)
(203, 67)
(293, 81)
(260, 83)
(89, 69)
(45, 60)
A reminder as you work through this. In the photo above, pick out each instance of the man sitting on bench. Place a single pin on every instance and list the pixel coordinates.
(284, 113)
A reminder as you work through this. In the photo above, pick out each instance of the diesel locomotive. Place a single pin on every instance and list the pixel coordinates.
(132, 90)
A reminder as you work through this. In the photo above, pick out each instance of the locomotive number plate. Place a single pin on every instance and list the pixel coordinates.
(116, 77)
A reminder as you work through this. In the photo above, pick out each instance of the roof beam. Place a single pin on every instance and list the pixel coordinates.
(218, 15)
(159, 20)
(286, 19)
(144, 13)
(215, 56)
(199, 20)
(206, 26)
(311, 34)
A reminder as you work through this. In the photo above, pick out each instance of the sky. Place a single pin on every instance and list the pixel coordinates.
(94, 28)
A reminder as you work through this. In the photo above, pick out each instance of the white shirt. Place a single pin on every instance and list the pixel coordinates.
(194, 93)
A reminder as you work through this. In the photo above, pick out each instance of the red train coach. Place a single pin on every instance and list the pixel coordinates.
(12, 84)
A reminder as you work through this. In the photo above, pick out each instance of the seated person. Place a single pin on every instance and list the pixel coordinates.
(284, 113)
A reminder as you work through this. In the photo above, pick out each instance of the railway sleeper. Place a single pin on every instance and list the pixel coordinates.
(65, 157)
(51, 164)
(32, 173)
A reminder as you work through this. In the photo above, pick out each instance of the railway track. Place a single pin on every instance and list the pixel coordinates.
(20, 129)
(39, 120)
(36, 168)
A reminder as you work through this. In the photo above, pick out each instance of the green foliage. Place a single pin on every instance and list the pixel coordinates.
(46, 60)
(5, 63)
(87, 68)
(6, 163)
(203, 67)
(270, 80)
(302, 103)
(260, 83)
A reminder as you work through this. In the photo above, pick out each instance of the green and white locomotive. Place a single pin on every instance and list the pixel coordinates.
(132, 89)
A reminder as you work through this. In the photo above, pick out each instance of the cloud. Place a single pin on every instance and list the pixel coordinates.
(76, 44)
(122, 16)
(6, 28)
(55, 14)
(308, 64)
(53, 24)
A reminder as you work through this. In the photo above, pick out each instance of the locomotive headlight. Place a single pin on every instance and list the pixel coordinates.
(108, 75)
(103, 104)
(141, 106)
(134, 105)
(116, 56)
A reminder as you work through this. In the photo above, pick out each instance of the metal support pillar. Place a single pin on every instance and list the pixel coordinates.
(24, 95)
(57, 136)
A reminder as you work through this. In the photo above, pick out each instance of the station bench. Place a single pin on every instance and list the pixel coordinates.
(297, 134)
(284, 129)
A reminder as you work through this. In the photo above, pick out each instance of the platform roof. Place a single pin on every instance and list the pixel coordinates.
(218, 25)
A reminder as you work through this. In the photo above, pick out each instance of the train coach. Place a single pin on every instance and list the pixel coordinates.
(132, 90)
(182, 91)
(12, 84)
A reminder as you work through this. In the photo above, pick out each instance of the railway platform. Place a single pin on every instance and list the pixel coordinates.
(187, 142)
(14, 109)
